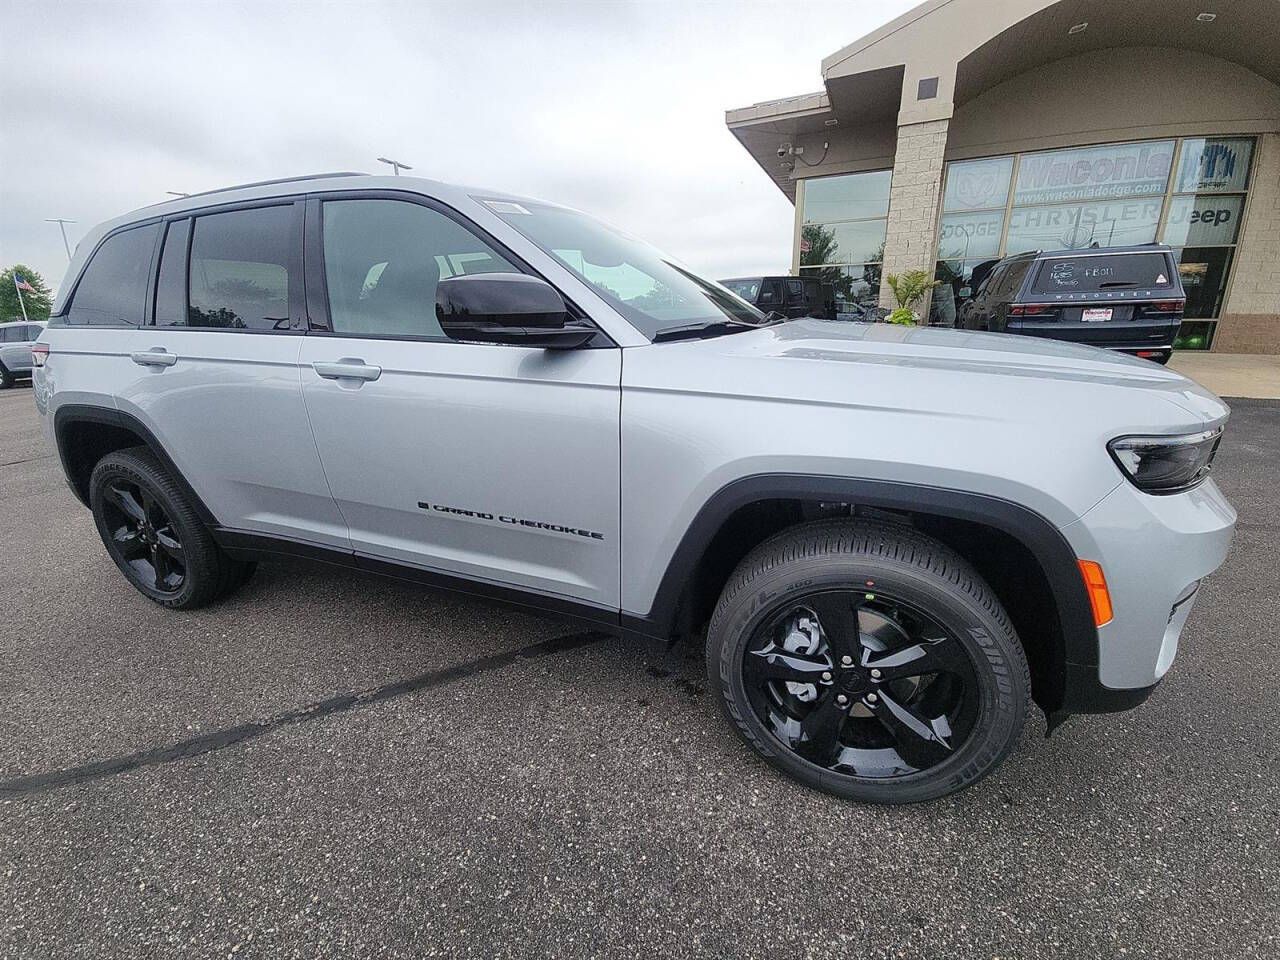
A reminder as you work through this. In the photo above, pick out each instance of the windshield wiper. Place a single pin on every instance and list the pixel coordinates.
(715, 328)
(702, 331)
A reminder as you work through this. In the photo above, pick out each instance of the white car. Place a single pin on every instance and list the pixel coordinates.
(15, 350)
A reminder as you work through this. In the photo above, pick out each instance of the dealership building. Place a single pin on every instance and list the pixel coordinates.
(967, 130)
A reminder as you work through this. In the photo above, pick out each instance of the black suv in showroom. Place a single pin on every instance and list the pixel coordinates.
(1122, 298)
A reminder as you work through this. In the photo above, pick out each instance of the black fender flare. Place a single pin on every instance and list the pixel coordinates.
(1039, 535)
(75, 413)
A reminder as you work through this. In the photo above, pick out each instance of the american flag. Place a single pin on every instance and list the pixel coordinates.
(20, 282)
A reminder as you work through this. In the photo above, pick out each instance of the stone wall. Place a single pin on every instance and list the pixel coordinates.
(912, 237)
(1251, 316)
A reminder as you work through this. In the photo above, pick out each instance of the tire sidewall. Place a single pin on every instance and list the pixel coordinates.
(124, 466)
(985, 639)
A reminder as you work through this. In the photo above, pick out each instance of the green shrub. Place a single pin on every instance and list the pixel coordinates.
(902, 316)
(909, 287)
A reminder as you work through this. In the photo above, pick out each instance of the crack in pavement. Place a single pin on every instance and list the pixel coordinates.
(219, 739)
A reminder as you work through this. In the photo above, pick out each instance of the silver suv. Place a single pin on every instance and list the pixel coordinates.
(892, 537)
(16, 339)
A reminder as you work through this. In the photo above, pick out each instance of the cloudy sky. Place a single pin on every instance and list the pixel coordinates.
(615, 107)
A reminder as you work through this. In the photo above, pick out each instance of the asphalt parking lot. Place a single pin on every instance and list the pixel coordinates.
(331, 765)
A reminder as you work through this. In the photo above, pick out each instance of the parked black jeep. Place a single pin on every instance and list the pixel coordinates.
(1123, 298)
(790, 296)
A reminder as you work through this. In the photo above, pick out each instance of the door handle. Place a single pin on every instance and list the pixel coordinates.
(348, 368)
(155, 357)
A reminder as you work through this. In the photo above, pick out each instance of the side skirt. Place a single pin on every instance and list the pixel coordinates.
(244, 545)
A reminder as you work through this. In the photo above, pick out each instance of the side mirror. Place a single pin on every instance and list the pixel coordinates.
(510, 308)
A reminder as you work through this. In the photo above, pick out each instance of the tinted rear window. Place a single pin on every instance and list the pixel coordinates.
(113, 288)
(239, 269)
(1103, 274)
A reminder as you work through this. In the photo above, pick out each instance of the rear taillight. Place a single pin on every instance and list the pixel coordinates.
(1166, 306)
(1033, 310)
(39, 354)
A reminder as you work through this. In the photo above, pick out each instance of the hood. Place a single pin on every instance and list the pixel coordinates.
(943, 371)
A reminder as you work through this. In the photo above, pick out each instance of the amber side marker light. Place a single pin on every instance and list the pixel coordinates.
(1095, 585)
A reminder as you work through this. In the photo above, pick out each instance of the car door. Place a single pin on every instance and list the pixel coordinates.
(1003, 295)
(488, 462)
(12, 344)
(216, 372)
(771, 296)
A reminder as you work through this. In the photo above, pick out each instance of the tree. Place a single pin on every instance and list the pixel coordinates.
(817, 245)
(37, 303)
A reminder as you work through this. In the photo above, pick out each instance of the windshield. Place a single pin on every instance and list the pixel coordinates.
(642, 284)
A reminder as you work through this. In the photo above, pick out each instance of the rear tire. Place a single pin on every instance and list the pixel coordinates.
(154, 536)
(868, 661)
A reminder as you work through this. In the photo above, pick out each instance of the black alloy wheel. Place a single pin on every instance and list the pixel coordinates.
(868, 660)
(143, 537)
(861, 683)
(155, 536)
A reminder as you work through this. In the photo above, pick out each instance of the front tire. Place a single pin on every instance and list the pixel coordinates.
(6, 378)
(868, 661)
(153, 534)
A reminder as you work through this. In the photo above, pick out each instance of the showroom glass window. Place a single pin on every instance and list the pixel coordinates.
(843, 224)
(1203, 226)
(1188, 193)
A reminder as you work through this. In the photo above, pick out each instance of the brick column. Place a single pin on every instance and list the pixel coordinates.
(912, 239)
(1251, 316)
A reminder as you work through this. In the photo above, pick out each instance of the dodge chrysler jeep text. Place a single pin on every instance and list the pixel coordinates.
(894, 538)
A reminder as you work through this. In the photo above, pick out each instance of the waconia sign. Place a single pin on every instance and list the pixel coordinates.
(1094, 173)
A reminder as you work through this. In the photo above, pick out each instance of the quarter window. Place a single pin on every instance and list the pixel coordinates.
(240, 269)
(113, 288)
(171, 287)
(383, 259)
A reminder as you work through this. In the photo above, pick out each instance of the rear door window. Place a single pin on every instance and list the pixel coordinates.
(113, 288)
(240, 269)
(12, 335)
(1103, 274)
(1011, 282)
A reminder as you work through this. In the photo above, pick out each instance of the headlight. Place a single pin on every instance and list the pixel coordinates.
(1166, 464)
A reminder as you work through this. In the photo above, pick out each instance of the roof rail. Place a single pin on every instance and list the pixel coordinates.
(267, 183)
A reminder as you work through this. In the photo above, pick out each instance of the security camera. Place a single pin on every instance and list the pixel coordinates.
(784, 149)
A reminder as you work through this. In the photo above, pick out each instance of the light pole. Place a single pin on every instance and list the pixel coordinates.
(62, 225)
(396, 165)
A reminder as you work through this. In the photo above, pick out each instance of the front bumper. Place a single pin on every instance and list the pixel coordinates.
(1154, 551)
